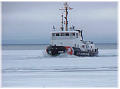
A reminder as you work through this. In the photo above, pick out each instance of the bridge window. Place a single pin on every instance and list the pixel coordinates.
(67, 34)
(57, 34)
(62, 34)
(53, 34)
(72, 34)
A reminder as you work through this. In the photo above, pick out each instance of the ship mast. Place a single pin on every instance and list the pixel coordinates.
(66, 8)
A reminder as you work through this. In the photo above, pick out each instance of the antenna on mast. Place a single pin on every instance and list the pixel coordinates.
(62, 22)
(66, 8)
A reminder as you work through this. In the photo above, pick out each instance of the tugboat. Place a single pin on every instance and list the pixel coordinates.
(69, 40)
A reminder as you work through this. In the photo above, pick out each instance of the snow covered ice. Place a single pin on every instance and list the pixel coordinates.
(34, 68)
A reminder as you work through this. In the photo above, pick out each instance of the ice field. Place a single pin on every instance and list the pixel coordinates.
(34, 68)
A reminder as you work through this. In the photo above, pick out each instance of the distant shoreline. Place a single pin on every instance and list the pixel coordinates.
(43, 46)
(49, 44)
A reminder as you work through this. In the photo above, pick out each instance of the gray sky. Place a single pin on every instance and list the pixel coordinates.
(31, 22)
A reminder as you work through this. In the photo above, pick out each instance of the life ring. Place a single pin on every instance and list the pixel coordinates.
(69, 50)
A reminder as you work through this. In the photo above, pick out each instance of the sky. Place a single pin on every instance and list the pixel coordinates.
(32, 22)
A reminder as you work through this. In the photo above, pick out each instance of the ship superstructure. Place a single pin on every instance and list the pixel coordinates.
(70, 40)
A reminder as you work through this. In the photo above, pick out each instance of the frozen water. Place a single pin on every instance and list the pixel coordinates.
(34, 68)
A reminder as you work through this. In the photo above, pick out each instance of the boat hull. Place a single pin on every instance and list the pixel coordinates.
(57, 50)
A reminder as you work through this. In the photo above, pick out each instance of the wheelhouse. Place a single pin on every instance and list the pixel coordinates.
(64, 34)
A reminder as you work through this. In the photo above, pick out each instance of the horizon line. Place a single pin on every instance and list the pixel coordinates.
(49, 44)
